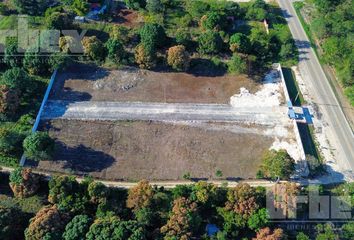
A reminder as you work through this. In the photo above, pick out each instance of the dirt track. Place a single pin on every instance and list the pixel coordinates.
(153, 150)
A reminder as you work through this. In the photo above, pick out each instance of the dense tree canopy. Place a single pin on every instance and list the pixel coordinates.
(77, 228)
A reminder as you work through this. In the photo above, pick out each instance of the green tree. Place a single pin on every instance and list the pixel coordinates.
(302, 236)
(152, 36)
(77, 228)
(239, 42)
(277, 164)
(257, 10)
(30, 7)
(237, 65)
(347, 232)
(325, 232)
(81, 7)
(12, 57)
(59, 61)
(16, 78)
(197, 8)
(258, 220)
(209, 42)
(39, 146)
(67, 194)
(183, 37)
(59, 21)
(111, 228)
(154, 6)
(115, 50)
(97, 191)
(34, 63)
(135, 4)
(213, 21)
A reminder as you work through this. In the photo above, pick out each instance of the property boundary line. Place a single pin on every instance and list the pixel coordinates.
(304, 171)
(38, 118)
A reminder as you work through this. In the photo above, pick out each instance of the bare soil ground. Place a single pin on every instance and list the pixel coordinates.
(154, 150)
(128, 18)
(85, 83)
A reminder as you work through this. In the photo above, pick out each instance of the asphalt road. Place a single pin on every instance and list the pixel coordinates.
(112, 111)
(341, 137)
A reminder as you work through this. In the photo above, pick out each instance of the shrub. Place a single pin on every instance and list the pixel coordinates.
(145, 57)
(34, 63)
(59, 61)
(94, 48)
(178, 58)
(237, 65)
(115, 50)
(183, 37)
(10, 141)
(277, 164)
(17, 79)
(23, 182)
(59, 21)
(209, 42)
(38, 146)
(120, 33)
(81, 7)
(9, 100)
(349, 92)
(12, 57)
(239, 42)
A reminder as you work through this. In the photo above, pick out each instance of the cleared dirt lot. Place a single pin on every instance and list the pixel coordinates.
(87, 83)
(154, 150)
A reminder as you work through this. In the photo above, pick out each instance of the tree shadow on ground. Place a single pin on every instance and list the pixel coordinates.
(207, 68)
(83, 159)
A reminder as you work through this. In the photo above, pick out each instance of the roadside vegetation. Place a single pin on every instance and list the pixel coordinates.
(329, 26)
(65, 209)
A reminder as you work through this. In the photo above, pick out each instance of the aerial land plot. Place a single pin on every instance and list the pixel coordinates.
(87, 83)
(133, 150)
